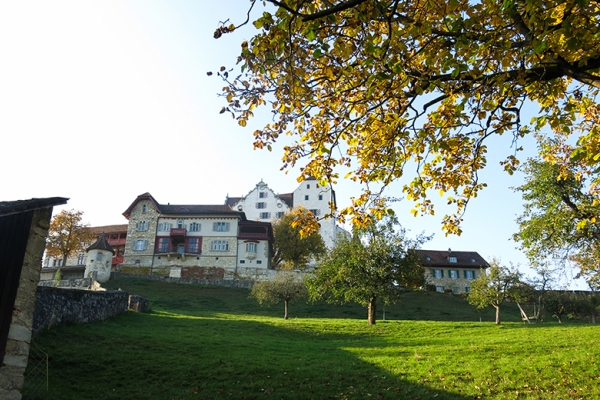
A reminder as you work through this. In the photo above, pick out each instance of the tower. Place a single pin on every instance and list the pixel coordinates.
(99, 256)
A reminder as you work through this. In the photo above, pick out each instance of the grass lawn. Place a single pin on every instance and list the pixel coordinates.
(214, 343)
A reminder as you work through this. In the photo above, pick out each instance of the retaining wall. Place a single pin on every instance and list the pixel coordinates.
(55, 306)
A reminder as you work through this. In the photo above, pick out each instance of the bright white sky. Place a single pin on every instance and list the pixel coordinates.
(101, 101)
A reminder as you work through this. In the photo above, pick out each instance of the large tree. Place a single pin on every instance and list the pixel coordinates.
(379, 85)
(561, 218)
(291, 248)
(285, 286)
(496, 285)
(371, 265)
(67, 235)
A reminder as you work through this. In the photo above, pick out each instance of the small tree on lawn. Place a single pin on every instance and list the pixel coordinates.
(371, 265)
(67, 235)
(286, 286)
(291, 248)
(494, 286)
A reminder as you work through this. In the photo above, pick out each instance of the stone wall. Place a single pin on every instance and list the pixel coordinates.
(236, 283)
(19, 335)
(57, 305)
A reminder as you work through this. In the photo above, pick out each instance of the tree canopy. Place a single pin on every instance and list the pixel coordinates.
(292, 248)
(285, 286)
(373, 264)
(496, 285)
(380, 86)
(561, 219)
(67, 235)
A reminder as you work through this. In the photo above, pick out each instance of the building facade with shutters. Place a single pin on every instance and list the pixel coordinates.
(162, 236)
(263, 204)
(451, 270)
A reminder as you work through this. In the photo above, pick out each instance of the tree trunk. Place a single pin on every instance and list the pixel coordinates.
(372, 307)
(285, 302)
(497, 315)
(64, 260)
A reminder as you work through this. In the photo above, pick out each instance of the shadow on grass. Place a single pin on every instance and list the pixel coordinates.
(136, 356)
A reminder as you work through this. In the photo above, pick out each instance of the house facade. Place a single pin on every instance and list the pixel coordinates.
(451, 270)
(263, 204)
(163, 236)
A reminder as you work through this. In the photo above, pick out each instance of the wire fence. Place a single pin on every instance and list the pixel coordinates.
(35, 386)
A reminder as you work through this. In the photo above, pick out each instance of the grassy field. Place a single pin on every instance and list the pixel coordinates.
(214, 343)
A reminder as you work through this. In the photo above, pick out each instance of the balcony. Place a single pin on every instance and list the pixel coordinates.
(254, 235)
(117, 260)
(117, 242)
(178, 232)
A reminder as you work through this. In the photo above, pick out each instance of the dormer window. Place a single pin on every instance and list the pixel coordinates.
(472, 260)
(452, 259)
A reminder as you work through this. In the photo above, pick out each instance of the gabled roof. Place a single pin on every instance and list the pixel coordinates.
(20, 206)
(441, 258)
(101, 244)
(185, 209)
(145, 196)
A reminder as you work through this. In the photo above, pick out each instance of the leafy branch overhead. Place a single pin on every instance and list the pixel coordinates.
(384, 87)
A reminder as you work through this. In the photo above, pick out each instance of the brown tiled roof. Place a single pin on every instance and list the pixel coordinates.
(230, 201)
(197, 209)
(287, 198)
(19, 206)
(108, 229)
(440, 258)
(101, 244)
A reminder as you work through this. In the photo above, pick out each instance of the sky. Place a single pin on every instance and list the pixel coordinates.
(103, 101)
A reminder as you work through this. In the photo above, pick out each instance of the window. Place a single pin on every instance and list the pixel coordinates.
(164, 227)
(455, 289)
(308, 186)
(162, 245)
(142, 226)
(320, 197)
(220, 245)
(181, 248)
(452, 259)
(99, 257)
(439, 289)
(467, 289)
(144, 208)
(140, 244)
(259, 261)
(47, 262)
(193, 245)
(262, 195)
(265, 215)
(261, 205)
(180, 224)
(472, 260)
(195, 227)
(315, 212)
(453, 274)
(221, 226)
(242, 261)
(470, 274)
(251, 247)
(306, 197)
(80, 259)
(438, 273)
(280, 214)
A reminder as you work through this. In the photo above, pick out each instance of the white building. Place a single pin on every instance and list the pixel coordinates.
(263, 204)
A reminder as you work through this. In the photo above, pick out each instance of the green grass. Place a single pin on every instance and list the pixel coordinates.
(214, 343)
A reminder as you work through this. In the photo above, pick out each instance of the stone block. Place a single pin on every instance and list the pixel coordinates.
(15, 360)
(19, 333)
